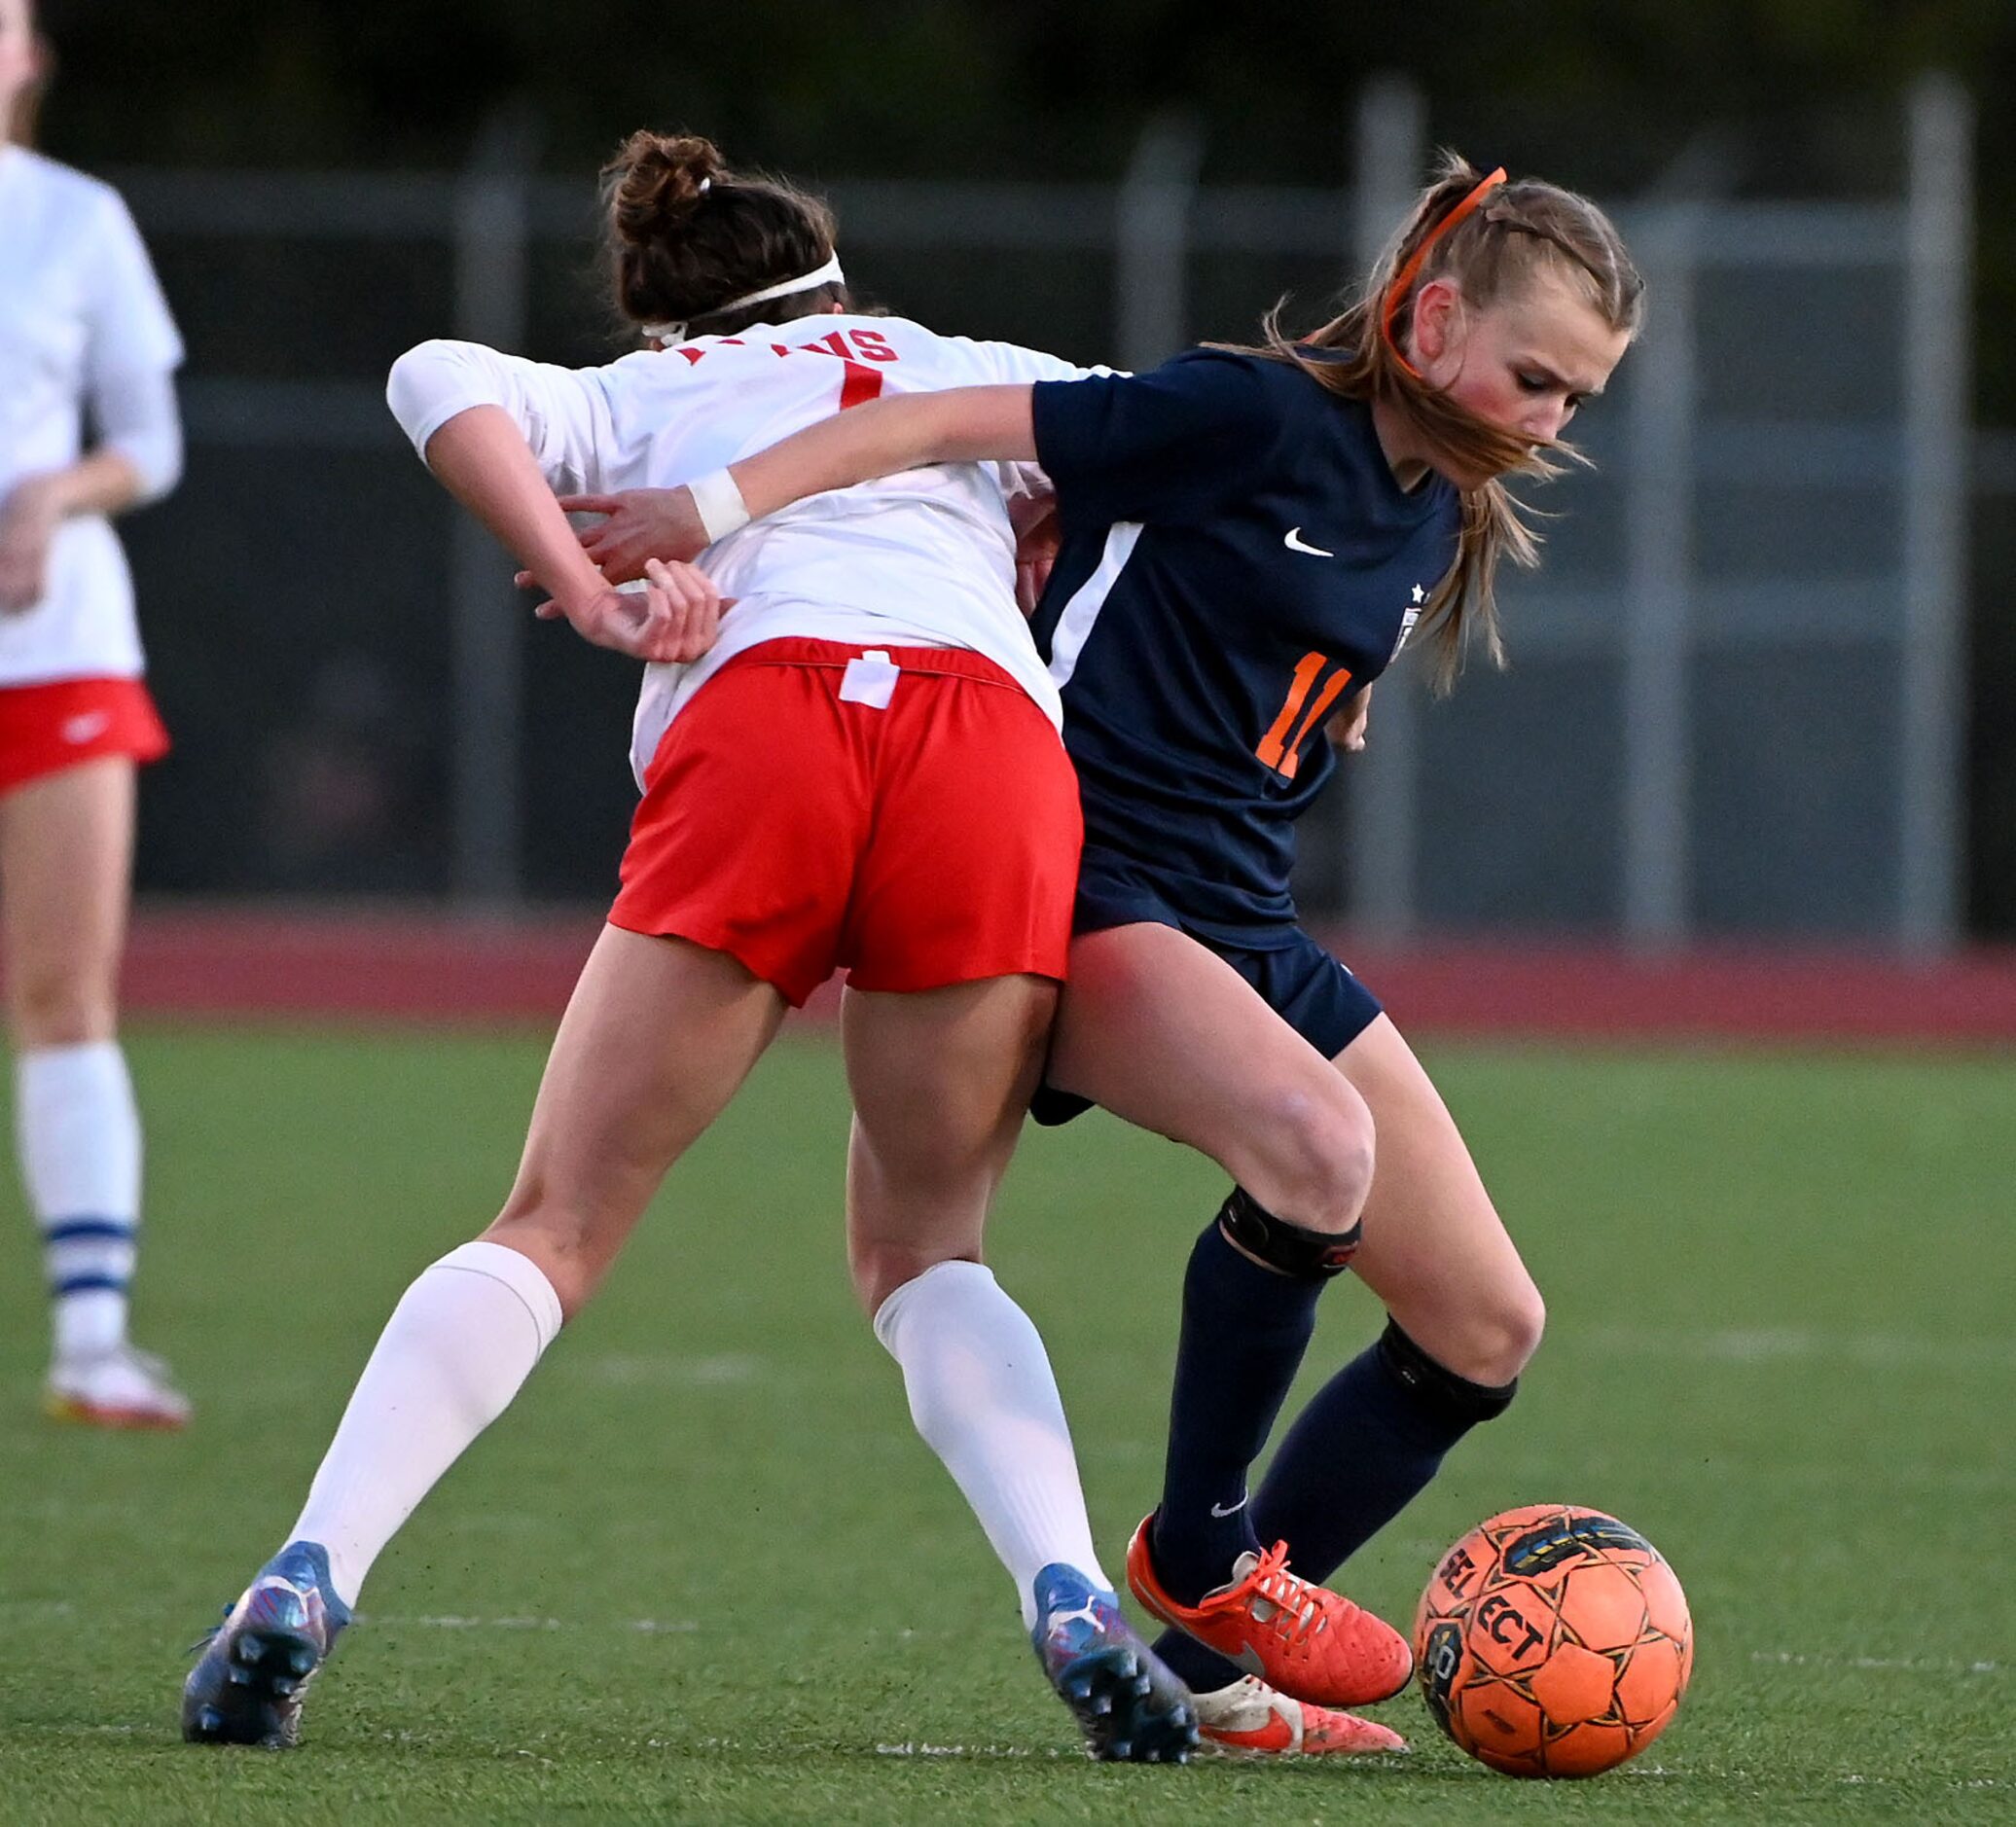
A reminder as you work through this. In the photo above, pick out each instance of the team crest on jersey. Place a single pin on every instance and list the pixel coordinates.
(1407, 622)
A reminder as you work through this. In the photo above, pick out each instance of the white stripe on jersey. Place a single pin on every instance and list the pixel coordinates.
(1074, 624)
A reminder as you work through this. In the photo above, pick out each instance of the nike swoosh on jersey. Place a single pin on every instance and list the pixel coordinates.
(86, 727)
(1294, 542)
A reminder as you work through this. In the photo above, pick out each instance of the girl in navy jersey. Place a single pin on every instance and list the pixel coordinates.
(1249, 538)
(878, 638)
(86, 341)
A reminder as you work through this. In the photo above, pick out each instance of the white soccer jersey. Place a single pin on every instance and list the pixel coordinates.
(83, 331)
(921, 560)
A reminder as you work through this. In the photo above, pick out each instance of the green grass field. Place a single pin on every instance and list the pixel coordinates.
(704, 1571)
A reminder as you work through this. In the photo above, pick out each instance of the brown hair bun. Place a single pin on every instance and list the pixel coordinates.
(656, 181)
(686, 237)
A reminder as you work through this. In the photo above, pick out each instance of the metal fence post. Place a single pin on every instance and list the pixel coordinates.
(491, 230)
(1659, 510)
(1392, 149)
(1151, 229)
(1940, 205)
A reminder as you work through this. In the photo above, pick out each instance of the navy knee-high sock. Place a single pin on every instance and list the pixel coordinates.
(1366, 1445)
(1244, 1330)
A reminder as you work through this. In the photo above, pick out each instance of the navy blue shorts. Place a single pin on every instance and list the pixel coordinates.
(1295, 977)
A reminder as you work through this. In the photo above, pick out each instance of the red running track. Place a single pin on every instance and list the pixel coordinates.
(431, 968)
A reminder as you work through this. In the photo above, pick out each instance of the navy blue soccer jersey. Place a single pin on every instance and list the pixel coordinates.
(1237, 560)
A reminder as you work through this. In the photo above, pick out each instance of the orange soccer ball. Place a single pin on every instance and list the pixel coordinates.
(1553, 1641)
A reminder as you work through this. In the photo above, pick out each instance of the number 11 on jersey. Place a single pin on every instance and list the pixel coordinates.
(1280, 748)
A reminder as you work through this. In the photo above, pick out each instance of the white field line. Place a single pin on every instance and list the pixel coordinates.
(912, 1748)
(907, 1748)
(17, 1612)
(1777, 1658)
(645, 1627)
(1958, 1783)
(1794, 1344)
(23, 1610)
(26, 1609)
(649, 1370)
(1888, 1664)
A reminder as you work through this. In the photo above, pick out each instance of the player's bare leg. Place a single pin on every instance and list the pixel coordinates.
(1162, 1031)
(67, 847)
(1435, 1251)
(66, 855)
(940, 1079)
(658, 1037)
(1167, 1035)
(1465, 1319)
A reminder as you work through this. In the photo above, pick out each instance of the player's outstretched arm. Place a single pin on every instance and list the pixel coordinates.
(882, 438)
(885, 437)
(482, 458)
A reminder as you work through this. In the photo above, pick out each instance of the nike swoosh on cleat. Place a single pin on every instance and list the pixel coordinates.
(1294, 542)
(1277, 1735)
(1249, 1658)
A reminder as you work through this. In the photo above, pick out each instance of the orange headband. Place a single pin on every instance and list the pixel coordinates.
(1403, 280)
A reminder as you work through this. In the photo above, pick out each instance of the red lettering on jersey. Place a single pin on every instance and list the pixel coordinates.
(872, 345)
(692, 354)
(831, 343)
(861, 385)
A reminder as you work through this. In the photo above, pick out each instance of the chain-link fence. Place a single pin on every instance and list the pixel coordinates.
(1737, 697)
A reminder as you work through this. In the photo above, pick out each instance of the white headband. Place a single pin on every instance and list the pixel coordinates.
(828, 275)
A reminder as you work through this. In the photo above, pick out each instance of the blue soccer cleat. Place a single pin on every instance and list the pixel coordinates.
(1131, 1709)
(247, 1687)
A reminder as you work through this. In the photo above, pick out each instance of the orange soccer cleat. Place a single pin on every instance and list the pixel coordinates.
(1304, 1640)
(1251, 1719)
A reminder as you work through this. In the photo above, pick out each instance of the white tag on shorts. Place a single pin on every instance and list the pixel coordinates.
(870, 680)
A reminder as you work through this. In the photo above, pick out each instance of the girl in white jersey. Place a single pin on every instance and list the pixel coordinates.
(859, 766)
(84, 335)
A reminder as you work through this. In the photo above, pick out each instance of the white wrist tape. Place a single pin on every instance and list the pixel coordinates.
(719, 503)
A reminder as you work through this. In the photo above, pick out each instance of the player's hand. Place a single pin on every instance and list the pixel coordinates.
(1346, 729)
(637, 524)
(675, 617)
(27, 525)
(1036, 541)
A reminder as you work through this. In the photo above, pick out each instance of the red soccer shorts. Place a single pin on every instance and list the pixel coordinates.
(800, 829)
(45, 728)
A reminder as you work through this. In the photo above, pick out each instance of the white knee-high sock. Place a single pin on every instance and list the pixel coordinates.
(458, 1346)
(983, 1397)
(78, 1132)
